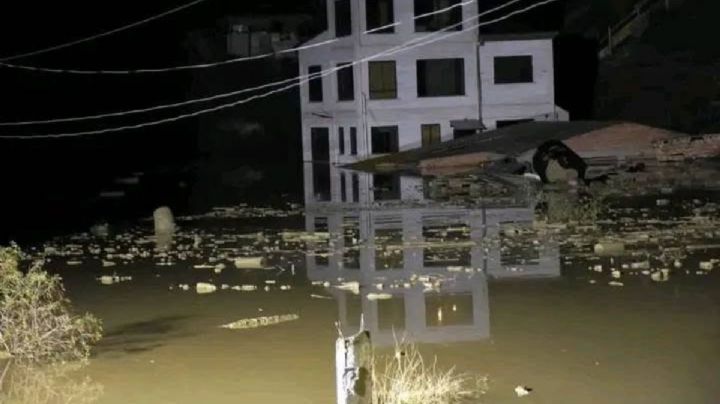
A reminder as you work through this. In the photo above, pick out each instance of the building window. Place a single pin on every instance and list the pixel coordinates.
(379, 13)
(437, 21)
(343, 19)
(386, 187)
(383, 83)
(341, 140)
(343, 191)
(384, 139)
(440, 77)
(513, 69)
(353, 141)
(321, 183)
(430, 134)
(356, 188)
(316, 90)
(346, 82)
(509, 122)
(320, 144)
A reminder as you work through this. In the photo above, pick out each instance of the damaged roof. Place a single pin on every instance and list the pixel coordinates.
(510, 140)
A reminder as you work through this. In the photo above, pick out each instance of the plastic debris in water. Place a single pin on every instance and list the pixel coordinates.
(379, 296)
(248, 262)
(351, 286)
(113, 279)
(262, 321)
(204, 288)
(522, 391)
(245, 288)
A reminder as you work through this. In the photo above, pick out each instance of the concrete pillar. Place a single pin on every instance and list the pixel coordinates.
(353, 368)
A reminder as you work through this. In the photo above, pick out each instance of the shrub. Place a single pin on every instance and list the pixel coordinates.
(49, 384)
(36, 323)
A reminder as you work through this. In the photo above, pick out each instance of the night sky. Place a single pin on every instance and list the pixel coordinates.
(49, 177)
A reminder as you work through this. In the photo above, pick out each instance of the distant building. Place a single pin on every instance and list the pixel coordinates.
(450, 88)
(257, 34)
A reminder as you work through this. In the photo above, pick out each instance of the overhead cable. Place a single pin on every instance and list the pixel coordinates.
(392, 51)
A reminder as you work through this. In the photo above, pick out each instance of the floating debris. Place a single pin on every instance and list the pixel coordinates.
(203, 288)
(522, 391)
(609, 248)
(245, 288)
(379, 296)
(262, 321)
(352, 286)
(248, 262)
(113, 279)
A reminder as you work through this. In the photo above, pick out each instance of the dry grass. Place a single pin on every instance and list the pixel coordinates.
(407, 379)
(36, 323)
(51, 384)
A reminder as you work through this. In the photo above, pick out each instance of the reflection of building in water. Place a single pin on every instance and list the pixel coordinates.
(385, 244)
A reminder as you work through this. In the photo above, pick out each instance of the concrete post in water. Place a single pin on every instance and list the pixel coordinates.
(164, 227)
(353, 368)
(164, 222)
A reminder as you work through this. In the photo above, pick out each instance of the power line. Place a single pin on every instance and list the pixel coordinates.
(392, 51)
(164, 69)
(219, 96)
(102, 34)
(220, 63)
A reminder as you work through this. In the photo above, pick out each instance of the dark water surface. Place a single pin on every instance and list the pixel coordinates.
(494, 290)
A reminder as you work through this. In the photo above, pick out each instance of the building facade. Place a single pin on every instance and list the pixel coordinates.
(403, 96)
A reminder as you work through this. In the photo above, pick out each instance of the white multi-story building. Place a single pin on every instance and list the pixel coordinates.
(427, 94)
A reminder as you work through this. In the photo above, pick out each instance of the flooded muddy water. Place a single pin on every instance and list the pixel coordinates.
(613, 301)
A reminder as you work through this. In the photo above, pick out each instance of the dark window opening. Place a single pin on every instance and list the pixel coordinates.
(321, 183)
(391, 314)
(322, 248)
(430, 134)
(448, 310)
(353, 141)
(351, 235)
(513, 69)
(386, 187)
(343, 191)
(384, 139)
(379, 13)
(388, 249)
(320, 144)
(437, 21)
(343, 19)
(316, 90)
(346, 82)
(510, 122)
(356, 188)
(440, 77)
(383, 82)
(341, 140)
